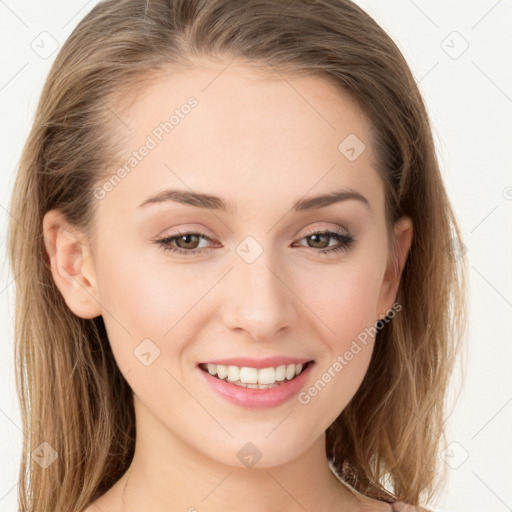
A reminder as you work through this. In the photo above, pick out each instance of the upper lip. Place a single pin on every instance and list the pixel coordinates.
(265, 362)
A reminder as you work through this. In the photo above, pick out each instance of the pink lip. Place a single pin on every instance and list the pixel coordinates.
(258, 363)
(258, 398)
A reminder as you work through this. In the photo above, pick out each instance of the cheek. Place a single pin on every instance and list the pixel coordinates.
(347, 350)
(145, 315)
(345, 300)
(345, 303)
(143, 299)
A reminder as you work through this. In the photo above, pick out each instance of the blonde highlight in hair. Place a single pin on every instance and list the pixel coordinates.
(72, 394)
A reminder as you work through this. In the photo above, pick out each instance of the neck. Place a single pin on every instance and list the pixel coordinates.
(173, 475)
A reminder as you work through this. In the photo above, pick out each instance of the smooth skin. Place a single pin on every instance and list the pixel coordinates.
(260, 142)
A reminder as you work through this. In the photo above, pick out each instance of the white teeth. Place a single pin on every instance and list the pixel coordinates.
(248, 375)
(222, 371)
(290, 371)
(281, 373)
(266, 376)
(253, 377)
(233, 373)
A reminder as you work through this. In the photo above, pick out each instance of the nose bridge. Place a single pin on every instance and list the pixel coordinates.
(258, 300)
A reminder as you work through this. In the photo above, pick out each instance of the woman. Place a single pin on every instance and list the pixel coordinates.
(237, 288)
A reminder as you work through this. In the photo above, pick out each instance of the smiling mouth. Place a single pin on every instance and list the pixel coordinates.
(254, 378)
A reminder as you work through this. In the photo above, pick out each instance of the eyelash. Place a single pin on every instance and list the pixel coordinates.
(345, 240)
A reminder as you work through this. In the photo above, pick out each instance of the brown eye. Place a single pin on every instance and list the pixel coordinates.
(315, 238)
(345, 241)
(183, 243)
(189, 241)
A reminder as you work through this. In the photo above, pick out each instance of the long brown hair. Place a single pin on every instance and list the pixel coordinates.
(72, 395)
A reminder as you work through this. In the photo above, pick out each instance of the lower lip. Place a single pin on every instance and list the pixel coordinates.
(258, 398)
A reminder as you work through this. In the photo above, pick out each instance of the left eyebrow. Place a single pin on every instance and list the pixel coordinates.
(316, 202)
(208, 201)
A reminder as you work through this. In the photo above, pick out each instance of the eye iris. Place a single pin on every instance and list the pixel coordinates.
(319, 235)
(186, 237)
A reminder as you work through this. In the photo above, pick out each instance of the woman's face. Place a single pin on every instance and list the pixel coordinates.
(251, 280)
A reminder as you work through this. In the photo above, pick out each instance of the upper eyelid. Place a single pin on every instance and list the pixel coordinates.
(327, 231)
(200, 231)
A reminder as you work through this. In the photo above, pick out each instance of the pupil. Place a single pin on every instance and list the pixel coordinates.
(315, 238)
(186, 238)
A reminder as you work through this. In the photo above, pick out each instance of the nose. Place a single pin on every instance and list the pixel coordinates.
(259, 299)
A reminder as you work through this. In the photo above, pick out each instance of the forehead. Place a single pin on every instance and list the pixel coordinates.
(251, 135)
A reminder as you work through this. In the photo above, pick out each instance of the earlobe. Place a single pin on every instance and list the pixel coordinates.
(71, 265)
(403, 240)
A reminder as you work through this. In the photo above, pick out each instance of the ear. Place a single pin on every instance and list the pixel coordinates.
(72, 266)
(403, 229)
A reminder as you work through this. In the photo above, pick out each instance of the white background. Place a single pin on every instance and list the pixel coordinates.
(469, 99)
